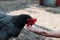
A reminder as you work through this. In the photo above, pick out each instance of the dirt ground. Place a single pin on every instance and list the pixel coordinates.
(48, 18)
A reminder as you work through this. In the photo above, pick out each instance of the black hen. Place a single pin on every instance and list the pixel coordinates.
(10, 26)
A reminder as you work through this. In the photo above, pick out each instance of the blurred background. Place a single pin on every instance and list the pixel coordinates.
(47, 13)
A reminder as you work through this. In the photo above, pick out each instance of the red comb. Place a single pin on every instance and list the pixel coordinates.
(31, 21)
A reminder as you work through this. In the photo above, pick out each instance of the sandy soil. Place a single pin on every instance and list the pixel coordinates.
(48, 18)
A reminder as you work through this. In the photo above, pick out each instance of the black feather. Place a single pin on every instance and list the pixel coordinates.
(10, 26)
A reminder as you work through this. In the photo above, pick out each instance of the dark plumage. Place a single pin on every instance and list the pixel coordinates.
(10, 26)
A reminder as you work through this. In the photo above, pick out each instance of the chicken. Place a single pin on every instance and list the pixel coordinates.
(10, 26)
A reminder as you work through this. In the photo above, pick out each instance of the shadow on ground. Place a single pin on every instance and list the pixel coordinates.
(54, 10)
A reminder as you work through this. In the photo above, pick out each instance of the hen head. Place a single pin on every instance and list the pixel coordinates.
(31, 21)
